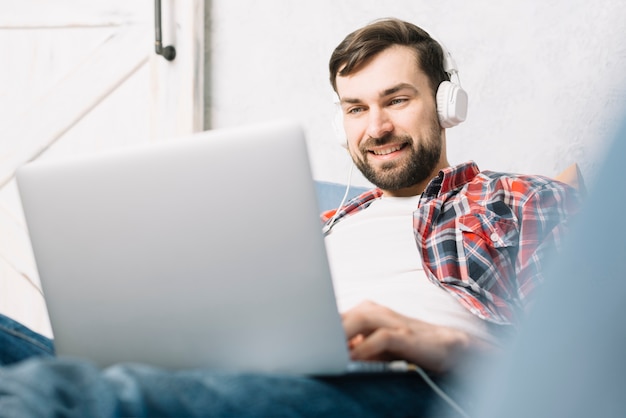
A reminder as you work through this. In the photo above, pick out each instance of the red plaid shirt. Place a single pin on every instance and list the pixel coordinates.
(484, 236)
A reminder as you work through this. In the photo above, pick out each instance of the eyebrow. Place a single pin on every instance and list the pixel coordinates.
(384, 93)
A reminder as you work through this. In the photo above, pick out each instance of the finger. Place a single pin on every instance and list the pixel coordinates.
(377, 346)
(354, 341)
(366, 318)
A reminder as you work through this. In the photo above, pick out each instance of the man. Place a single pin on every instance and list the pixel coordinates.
(482, 237)
(435, 264)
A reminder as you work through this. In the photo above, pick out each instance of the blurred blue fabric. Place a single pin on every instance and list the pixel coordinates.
(569, 359)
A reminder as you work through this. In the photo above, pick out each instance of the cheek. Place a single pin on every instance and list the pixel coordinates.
(421, 123)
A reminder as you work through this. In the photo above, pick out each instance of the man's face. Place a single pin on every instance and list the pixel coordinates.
(391, 123)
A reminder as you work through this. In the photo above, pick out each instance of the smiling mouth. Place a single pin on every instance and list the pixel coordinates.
(387, 150)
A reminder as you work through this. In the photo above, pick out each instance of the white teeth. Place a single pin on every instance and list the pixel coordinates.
(387, 150)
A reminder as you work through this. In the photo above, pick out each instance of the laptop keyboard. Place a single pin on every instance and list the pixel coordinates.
(377, 367)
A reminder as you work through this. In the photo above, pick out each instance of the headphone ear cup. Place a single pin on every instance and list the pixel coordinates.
(340, 132)
(451, 104)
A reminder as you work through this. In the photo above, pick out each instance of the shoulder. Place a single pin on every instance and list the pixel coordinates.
(354, 205)
(522, 184)
(522, 191)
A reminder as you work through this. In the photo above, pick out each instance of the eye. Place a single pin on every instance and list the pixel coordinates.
(355, 110)
(398, 100)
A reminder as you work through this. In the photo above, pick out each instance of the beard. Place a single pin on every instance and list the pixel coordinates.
(396, 175)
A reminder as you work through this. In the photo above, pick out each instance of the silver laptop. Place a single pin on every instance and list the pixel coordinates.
(205, 251)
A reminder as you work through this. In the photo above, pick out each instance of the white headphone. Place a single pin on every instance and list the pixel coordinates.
(451, 100)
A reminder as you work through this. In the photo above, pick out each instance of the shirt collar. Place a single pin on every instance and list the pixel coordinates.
(451, 178)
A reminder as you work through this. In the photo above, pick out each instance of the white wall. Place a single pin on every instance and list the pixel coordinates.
(545, 78)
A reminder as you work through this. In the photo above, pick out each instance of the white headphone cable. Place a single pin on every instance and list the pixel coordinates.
(443, 395)
(403, 366)
(330, 223)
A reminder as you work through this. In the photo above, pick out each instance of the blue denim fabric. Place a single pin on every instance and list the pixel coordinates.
(18, 342)
(51, 386)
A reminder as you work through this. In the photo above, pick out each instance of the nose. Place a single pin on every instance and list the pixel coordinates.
(379, 124)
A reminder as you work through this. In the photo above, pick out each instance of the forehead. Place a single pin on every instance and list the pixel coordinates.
(391, 67)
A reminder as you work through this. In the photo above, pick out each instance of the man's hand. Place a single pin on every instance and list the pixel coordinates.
(377, 333)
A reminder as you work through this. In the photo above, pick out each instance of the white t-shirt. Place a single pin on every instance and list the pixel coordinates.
(373, 256)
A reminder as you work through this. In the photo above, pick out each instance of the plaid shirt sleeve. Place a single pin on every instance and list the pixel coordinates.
(487, 237)
(545, 216)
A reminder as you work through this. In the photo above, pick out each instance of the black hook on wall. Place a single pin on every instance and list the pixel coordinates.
(169, 52)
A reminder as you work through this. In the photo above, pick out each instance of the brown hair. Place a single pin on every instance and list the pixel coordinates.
(359, 47)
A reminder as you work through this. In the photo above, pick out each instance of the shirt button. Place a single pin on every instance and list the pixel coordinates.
(494, 237)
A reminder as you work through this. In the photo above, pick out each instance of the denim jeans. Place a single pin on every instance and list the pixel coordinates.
(18, 342)
(44, 385)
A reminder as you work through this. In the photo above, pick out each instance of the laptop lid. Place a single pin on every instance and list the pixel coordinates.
(204, 251)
